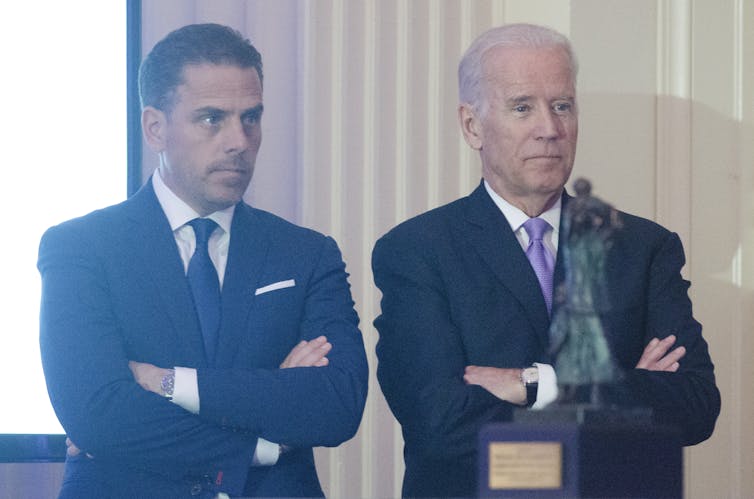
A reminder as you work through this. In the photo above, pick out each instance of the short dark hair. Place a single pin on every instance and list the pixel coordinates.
(161, 72)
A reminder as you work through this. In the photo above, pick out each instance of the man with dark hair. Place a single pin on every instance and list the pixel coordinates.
(194, 346)
(467, 288)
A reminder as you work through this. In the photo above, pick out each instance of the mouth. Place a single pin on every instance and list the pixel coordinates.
(545, 158)
(235, 169)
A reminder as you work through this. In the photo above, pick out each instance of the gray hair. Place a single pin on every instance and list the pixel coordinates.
(471, 67)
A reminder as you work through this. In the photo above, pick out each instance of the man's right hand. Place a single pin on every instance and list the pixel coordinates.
(73, 451)
(311, 353)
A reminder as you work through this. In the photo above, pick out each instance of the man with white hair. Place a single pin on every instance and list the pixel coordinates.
(467, 287)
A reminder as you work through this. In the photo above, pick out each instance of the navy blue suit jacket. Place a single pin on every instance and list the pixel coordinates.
(458, 290)
(114, 290)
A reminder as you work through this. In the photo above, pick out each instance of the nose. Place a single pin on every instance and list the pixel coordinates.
(237, 138)
(549, 126)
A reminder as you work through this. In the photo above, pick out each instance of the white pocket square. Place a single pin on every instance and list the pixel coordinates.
(275, 285)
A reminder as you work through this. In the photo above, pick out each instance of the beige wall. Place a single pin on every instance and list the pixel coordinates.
(360, 133)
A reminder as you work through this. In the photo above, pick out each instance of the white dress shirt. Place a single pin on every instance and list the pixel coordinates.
(547, 388)
(178, 213)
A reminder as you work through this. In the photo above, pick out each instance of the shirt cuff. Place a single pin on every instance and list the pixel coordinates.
(266, 453)
(547, 387)
(186, 389)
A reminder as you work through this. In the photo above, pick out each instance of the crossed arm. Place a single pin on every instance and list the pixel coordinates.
(505, 384)
(305, 354)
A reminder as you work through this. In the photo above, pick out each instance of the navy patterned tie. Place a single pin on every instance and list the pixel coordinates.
(541, 260)
(205, 286)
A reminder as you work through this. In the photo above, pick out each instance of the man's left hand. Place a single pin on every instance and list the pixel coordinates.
(657, 355)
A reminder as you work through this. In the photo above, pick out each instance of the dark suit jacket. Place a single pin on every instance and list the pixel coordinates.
(458, 290)
(114, 290)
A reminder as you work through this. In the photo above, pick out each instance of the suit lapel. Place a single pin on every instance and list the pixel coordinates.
(489, 232)
(249, 244)
(161, 273)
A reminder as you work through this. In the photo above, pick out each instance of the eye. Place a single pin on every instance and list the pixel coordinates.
(252, 117)
(522, 108)
(563, 107)
(212, 119)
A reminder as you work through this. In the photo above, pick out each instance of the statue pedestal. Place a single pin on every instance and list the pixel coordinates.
(580, 451)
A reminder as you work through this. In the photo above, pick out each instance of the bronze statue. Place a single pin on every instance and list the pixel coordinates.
(579, 341)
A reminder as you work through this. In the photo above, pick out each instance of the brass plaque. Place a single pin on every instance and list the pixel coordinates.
(526, 465)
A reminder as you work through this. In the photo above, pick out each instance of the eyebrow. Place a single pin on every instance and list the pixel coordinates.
(254, 112)
(208, 110)
(518, 99)
(525, 98)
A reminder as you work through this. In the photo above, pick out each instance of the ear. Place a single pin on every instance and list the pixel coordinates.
(471, 127)
(153, 126)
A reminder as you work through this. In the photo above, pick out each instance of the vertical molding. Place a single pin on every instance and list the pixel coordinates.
(336, 178)
(738, 61)
(401, 105)
(434, 85)
(401, 187)
(498, 12)
(673, 118)
(336, 127)
(305, 50)
(738, 343)
(369, 152)
(464, 157)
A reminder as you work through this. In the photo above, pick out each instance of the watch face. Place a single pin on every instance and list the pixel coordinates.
(530, 375)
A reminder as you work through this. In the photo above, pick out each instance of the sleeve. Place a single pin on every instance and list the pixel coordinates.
(186, 395)
(687, 399)
(307, 406)
(422, 357)
(103, 410)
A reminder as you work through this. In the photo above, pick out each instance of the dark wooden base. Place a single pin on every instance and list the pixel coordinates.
(602, 453)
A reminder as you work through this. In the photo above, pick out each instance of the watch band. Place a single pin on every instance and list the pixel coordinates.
(168, 384)
(530, 379)
(531, 393)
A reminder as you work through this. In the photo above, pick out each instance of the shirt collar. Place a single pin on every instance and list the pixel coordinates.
(517, 217)
(179, 213)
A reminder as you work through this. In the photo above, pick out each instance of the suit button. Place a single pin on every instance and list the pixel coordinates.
(196, 489)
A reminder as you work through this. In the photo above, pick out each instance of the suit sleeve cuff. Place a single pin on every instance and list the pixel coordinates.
(186, 389)
(266, 453)
(547, 388)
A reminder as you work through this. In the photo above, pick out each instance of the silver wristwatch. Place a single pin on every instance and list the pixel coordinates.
(168, 384)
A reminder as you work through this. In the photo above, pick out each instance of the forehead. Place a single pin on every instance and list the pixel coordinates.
(219, 84)
(510, 70)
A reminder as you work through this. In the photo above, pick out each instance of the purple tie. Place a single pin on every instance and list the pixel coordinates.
(541, 260)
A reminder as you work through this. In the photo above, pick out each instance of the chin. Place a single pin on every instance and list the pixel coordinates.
(220, 202)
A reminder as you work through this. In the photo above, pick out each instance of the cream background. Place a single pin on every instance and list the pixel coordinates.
(360, 133)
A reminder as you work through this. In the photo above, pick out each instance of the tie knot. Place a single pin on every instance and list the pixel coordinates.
(536, 228)
(203, 228)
